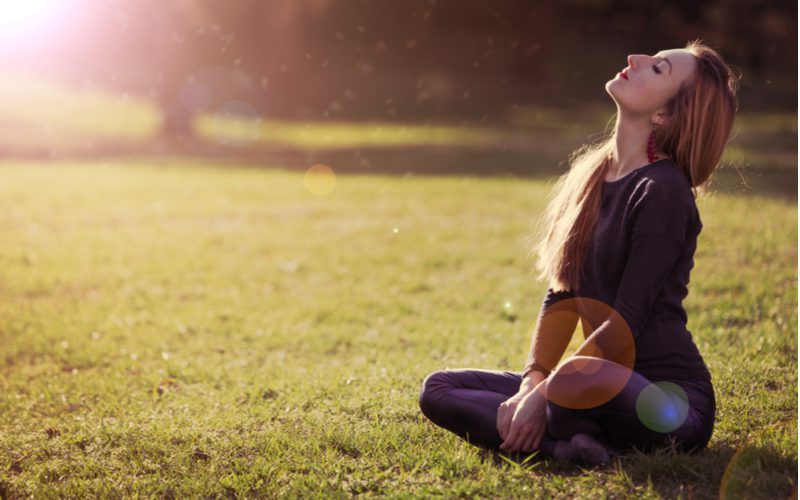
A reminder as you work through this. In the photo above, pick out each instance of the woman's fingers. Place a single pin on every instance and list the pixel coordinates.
(507, 421)
(534, 445)
(505, 413)
(528, 438)
(516, 437)
(537, 441)
(525, 444)
(531, 442)
(520, 424)
(502, 421)
(537, 434)
(524, 436)
(511, 438)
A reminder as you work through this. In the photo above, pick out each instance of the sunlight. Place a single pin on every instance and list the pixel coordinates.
(22, 18)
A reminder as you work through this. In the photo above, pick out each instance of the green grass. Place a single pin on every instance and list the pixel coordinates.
(185, 330)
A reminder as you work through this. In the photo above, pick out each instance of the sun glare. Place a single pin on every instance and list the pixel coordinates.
(28, 18)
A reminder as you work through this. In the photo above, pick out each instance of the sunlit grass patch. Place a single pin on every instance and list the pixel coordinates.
(37, 111)
(187, 320)
(342, 134)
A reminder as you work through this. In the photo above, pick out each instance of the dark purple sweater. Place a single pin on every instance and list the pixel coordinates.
(638, 262)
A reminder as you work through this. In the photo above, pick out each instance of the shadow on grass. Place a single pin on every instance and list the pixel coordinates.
(721, 471)
(529, 162)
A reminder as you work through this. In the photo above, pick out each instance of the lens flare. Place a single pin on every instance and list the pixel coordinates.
(662, 406)
(320, 179)
(760, 460)
(237, 124)
(591, 379)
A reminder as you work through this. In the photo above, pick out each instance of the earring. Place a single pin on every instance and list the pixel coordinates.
(651, 147)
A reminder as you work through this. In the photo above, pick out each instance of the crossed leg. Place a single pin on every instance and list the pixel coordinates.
(586, 397)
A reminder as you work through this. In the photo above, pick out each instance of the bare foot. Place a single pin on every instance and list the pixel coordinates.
(582, 448)
(589, 450)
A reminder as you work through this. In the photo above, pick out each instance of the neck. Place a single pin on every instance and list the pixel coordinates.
(630, 146)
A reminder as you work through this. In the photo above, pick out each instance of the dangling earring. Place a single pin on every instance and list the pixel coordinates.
(651, 147)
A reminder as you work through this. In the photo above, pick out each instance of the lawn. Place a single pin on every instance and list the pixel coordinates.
(181, 329)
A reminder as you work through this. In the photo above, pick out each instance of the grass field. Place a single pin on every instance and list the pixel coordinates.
(174, 329)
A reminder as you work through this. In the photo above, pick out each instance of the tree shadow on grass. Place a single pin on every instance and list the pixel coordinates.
(530, 162)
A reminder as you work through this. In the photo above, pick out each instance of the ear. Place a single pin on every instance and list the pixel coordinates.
(659, 117)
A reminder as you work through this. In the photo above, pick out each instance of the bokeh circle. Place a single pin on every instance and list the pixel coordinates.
(237, 124)
(594, 377)
(662, 406)
(319, 179)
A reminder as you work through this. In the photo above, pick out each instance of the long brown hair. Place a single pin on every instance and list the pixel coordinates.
(701, 119)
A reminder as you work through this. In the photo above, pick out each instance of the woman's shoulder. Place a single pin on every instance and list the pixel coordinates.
(667, 173)
(666, 182)
(665, 192)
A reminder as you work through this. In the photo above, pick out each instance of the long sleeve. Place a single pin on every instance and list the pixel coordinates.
(660, 221)
(555, 325)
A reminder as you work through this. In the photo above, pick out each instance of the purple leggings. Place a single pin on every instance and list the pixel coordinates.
(465, 402)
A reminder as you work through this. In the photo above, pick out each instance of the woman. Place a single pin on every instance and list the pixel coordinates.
(622, 230)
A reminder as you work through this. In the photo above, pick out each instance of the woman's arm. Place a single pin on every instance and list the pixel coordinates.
(554, 328)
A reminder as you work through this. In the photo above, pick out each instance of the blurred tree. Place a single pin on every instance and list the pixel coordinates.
(417, 59)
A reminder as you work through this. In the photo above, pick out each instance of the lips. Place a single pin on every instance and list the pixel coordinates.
(624, 74)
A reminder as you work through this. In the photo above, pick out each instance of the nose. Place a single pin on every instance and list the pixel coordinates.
(634, 58)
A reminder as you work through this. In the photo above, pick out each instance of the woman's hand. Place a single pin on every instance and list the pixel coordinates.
(506, 410)
(521, 421)
(505, 413)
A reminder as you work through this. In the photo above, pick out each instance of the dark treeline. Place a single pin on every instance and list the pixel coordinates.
(415, 59)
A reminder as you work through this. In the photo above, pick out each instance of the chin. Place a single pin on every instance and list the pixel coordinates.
(611, 87)
(610, 92)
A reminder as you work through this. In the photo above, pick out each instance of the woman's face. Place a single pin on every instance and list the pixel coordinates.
(651, 80)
